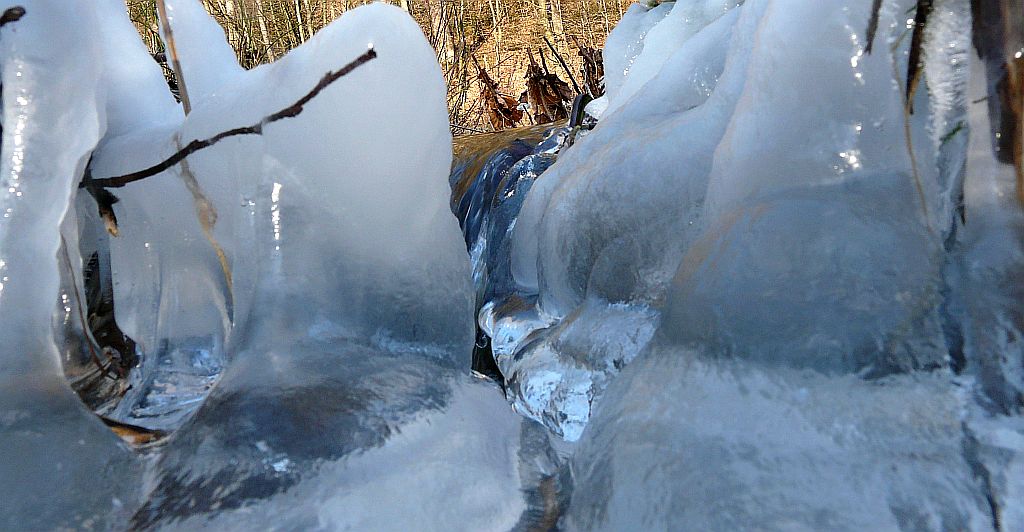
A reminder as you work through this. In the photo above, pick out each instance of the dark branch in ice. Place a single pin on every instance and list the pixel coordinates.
(924, 8)
(256, 129)
(873, 25)
(12, 14)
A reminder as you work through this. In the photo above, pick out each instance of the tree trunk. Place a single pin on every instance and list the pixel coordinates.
(268, 47)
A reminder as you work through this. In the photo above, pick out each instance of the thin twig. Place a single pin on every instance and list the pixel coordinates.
(466, 128)
(206, 215)
(172, 52)
(564, 66)
(86, 332)
(909, 142)
(255, 129)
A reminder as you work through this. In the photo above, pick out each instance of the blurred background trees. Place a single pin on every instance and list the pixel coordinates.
(483, 46)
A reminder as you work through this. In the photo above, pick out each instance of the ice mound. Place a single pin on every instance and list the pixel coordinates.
(62, 468)
(580, 244)
(345, 401)
(715, 157)
(836, 349)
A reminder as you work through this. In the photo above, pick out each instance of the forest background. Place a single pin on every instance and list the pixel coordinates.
(485, 48)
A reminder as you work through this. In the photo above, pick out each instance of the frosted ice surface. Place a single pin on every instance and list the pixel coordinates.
(989, 264)
(681, 437)
(659, 42)
(986, 301)
(626, 42)
(827, 358)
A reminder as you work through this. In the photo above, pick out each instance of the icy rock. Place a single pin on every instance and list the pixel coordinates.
(62, 468)
(839, 279)
(811, 369)
(491, 177)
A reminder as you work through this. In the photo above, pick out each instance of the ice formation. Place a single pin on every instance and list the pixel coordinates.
(491, 177)
(708, 145)
(758, 252)
(54, 113)
(834, 349)
(316, 265)
(362, 316)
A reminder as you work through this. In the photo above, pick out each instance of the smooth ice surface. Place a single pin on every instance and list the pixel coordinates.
(207, 60)
(170, 292)
(607, 224)
(317, 266)
(351, 437)
(772, 278)
(396, 266)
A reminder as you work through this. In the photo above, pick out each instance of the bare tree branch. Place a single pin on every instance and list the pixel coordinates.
(255, 129)
(914, 67)
(562, 62)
